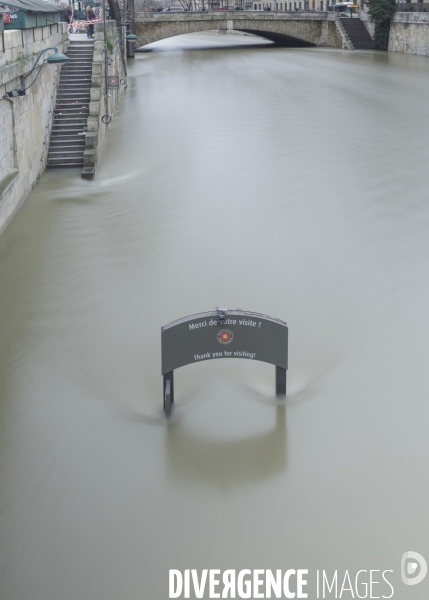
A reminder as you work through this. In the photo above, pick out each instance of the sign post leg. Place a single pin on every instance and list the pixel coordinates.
(280, 381)
(168, 392)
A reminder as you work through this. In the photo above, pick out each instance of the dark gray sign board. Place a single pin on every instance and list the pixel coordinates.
(223, 334)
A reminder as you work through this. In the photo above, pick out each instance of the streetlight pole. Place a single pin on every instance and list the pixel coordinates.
(53, 59)
(106, 75)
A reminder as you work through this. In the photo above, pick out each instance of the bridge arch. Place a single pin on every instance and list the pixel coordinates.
(295, 30)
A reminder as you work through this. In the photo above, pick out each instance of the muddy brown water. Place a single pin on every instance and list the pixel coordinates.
(292, 182)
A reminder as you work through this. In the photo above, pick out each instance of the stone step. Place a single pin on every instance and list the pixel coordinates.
(77, 166)
(64, 101)
(71, 111)
(70, 96)
(68, 91)
(78, 63)
(73, 107)
(82, 101)
(70, 121)
(71, 118)
(61, 164)
(67, 134)
(62, 143)
(77, 72)
(66, 153)
(358, 33)
(68, 129)
(71, 80)
(61, 116)
(69, 138)
(76, 87)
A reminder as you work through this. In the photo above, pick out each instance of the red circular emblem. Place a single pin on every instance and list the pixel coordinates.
(225, 336)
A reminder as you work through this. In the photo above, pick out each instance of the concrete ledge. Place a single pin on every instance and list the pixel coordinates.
(90, 158)
(7, 182)
(410, 17)
(94, 108)
(237, 16)
(91, 139)
(88, 173)
(95, 93)
(97, 68)
(92, 123)
(96, 129)
(7, 206)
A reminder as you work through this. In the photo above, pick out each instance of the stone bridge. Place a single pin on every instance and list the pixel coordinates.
(287, 29)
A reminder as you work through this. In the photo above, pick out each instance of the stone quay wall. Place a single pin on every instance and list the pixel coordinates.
(409, 33)
(25, 121)
(102, 104)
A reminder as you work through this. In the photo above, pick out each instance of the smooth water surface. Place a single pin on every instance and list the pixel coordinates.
(292, 182)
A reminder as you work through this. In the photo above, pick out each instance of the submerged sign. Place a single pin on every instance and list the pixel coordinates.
(224, 334)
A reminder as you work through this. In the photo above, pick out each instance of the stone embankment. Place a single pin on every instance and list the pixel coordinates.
(409, 33)
(25, 121)
(103, 99)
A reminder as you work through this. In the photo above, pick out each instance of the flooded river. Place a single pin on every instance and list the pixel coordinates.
(291, 182)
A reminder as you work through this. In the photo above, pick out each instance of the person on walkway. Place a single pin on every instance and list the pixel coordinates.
(63, 14)
(90, 16)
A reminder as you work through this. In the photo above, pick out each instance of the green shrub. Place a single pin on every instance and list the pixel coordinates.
(381, 12)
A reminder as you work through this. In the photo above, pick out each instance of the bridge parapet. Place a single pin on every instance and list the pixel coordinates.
(237, 16)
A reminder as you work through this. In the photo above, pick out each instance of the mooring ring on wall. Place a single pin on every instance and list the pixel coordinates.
(106, 119)
(123, 81)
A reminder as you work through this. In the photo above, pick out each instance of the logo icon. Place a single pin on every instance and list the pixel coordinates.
(114, 82)
(413, 568)
(225, 336)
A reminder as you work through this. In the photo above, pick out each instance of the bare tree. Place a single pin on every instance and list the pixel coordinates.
(115, 12)
(186, 4)
(132, 19)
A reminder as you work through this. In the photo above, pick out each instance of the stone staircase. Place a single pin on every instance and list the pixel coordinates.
(67, 143)
(357, 34)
